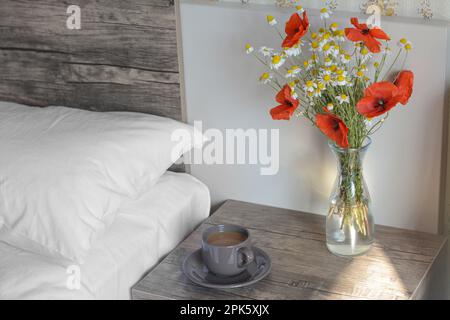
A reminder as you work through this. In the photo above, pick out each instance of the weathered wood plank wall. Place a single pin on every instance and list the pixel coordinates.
(124, 57)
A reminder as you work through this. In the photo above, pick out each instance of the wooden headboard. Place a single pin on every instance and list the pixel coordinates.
(124, 57)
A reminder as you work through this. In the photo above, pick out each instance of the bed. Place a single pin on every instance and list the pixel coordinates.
(144, 232)
(123, 60)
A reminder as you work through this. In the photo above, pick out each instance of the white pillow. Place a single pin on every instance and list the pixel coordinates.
(64, 172)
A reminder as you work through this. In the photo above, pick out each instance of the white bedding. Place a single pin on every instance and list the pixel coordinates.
(143, 232)
(64, 172)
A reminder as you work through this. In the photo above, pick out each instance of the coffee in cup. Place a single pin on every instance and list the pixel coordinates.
(227, 249)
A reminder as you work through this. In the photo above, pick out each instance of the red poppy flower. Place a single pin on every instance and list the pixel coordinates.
(296, 28)
(362, 33)
(287, 106)
(334, 128)
(378, 99)
(404, 83)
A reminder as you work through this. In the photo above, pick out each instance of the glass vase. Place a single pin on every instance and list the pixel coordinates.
(349, 224)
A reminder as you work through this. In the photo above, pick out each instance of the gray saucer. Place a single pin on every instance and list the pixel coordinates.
(198, 273)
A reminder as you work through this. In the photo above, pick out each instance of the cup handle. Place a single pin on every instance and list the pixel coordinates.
(246, 257)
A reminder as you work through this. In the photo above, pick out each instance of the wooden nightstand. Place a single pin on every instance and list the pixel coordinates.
(397, 267)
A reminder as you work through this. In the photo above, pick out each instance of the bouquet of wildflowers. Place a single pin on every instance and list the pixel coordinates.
(341, 81)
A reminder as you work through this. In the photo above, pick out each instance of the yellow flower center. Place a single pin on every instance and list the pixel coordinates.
(364, 51)
(334, 25)
(314, 45)
(340, 72)
(323, 10)
(339, 33)
(309, 84)
(376, 64)
(326, 78)
(269, 19)
(403, 41)
(276, 59)
(344, 97)
(360, 73)
(265, 76)
(408, 47)
(314, 35)
(347, 57)
(326, 47)
(306, 63)
(341, 78)
(248, 47)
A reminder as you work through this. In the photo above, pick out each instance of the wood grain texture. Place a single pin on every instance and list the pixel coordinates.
(124, 57)
(397, 267)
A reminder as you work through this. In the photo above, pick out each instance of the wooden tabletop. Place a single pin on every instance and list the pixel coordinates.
(397, 267)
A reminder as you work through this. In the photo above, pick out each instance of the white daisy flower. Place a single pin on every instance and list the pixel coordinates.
(326, 49)
(328, 61)
(277, 61)
(314, 58)
(265, 51)
(294, 51)
(359, 73)
(314, 46)
(335, 50)
(307, 65)
(271, 21)
(339, 35)
(293, 71)
(343, 98)
(328, 70)
(365, 54)
(310, 86)
(405, 44)
(341, 72)
(325, 79)
(299, 9)
(325, 38)
(340, 81)
(249, 49)
(265, 78)
(334, 26)
(330, 107)
(346, 58)
(317, 93)
(293, 85)
(325, 13)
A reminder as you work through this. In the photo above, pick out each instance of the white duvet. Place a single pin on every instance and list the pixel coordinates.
(144, 231)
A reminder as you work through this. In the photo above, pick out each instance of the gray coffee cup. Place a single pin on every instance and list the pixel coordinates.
(227, 249)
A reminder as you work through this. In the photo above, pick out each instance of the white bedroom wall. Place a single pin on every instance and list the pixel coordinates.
(403, 166)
